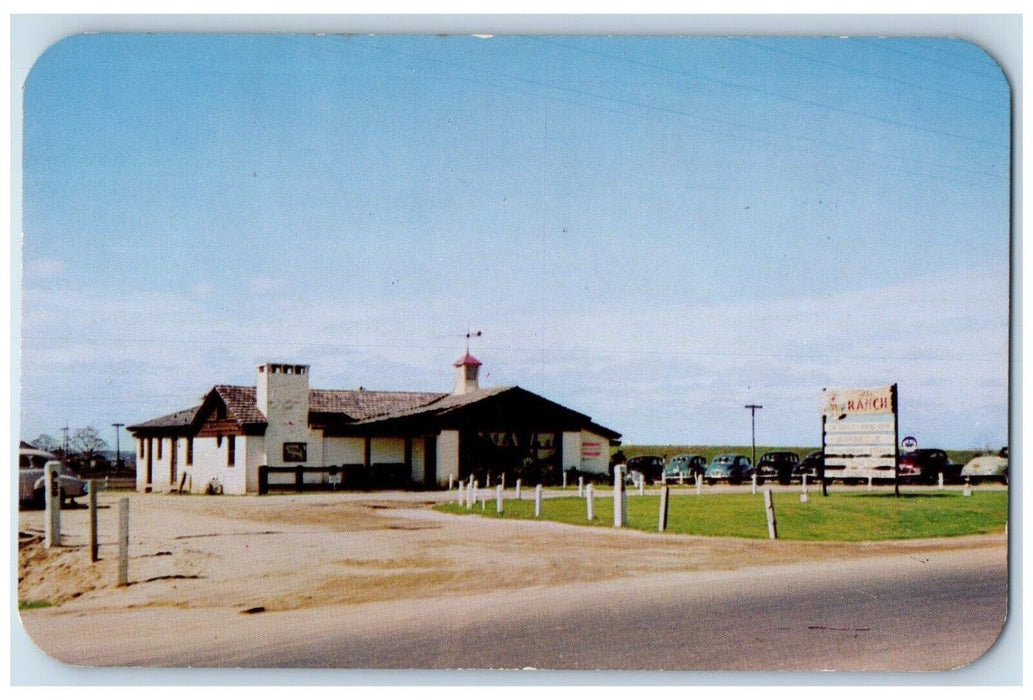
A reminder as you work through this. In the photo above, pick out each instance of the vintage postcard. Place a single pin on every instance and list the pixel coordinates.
(490, 351)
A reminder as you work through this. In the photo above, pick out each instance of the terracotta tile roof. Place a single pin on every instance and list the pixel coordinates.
(443, 404)
(240, 403)
(178, 419)
(363, 405)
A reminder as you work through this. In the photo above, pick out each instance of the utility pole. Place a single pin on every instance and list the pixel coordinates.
(64, 453)
(753, 430)
(118, 451)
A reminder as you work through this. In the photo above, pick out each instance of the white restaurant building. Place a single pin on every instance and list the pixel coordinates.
(376, 438)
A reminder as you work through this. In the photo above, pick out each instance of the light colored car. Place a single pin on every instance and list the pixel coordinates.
(993, 467)
(31, 486)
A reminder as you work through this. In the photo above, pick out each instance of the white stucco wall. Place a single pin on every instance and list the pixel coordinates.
(448, 455)
(571, 451)
(343, 450)
(418, 459)
(210, 462)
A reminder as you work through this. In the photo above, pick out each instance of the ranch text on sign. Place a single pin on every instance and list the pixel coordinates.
(840, 402)
(591, 449)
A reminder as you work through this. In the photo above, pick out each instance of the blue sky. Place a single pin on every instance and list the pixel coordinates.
(653, 231)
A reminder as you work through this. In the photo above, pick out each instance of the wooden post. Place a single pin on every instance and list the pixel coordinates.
(123, 541)
(502, 482)
(498, 499)
(769, 506)
(590, 502)
(664, 492)
(618, 497)
(537, 500)
(52, 503)
(92, 500)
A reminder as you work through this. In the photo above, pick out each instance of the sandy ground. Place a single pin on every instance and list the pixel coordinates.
(222, 556)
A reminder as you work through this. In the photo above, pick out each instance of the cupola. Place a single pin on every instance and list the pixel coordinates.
(467, 368)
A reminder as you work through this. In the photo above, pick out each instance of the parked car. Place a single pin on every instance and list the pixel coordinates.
(31, 479)
(681, 467)
(924, 466)
(809, 465)
(651, 467)
(982, 467)
(731, 468)
(777, 465)
(633, 477)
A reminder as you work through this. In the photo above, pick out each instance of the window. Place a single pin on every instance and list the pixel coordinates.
(190, 451)
(231, 450)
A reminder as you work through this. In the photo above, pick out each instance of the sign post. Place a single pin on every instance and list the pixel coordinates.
(859, 434)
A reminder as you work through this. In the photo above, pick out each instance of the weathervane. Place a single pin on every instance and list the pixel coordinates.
(468, 336)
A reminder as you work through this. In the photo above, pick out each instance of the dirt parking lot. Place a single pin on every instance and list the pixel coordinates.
(307, 551)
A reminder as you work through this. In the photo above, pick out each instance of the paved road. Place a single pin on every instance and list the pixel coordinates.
(916, 613)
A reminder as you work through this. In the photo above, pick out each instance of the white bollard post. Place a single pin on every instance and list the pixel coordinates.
(123, 541)
(450, 479)
(503, 480)
(469, 494)
(487, 481)
(590, 502)
(753, 484)
(459, 494)
(967, 491)
(498, 499)
(769, 507)
(564, 480)
(537, 500)
(618, 497)
(580, 486)
(52, 503)
(869, 483)
(699, 484)
(939, 479)
(803, 489)
(518, 489)
(642, 485)
(664, 493)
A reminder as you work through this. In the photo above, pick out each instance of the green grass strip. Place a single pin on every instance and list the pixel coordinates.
(840, 517)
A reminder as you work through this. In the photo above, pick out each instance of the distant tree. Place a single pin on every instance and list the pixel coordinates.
(85, 445)
(47, 443)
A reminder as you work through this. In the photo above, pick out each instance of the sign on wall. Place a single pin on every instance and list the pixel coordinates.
(859, 432)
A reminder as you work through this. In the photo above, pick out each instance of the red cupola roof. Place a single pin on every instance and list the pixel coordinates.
(467, 360)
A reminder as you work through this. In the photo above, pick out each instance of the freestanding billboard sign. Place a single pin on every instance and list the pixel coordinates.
(859, 433)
